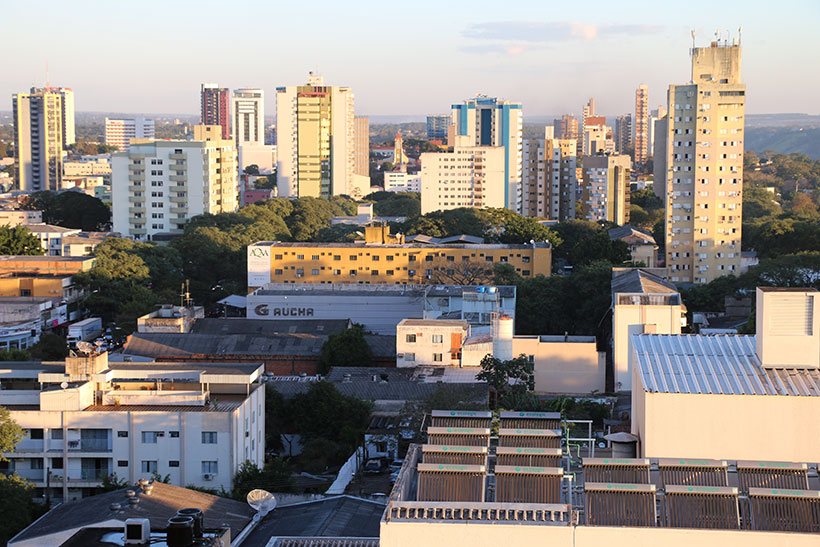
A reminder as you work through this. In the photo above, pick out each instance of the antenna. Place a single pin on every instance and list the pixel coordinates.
(692, 33)
(739, 34)
(262, 501)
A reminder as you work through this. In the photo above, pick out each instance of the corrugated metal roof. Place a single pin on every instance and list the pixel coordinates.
(722, 364)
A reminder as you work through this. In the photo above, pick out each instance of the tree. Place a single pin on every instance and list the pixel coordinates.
(10, 433)
(802, 206)
(463, 273)
(70, 210)
(252, 169)
(14, 354)
(395, 204)
(274, 477)
(505, 377)
(758, 203)
(585, 242)
(16, 506)
(18, 240)
(113, 482)
(346, 349)
(51, 347)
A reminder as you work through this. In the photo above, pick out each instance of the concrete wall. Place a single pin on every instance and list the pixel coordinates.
(563, 367)
(436, 534)
(424, 349)
(634, 319)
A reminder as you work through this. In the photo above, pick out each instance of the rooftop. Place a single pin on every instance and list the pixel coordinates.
(416, 245)
(720, 364)
(49, 228)
(641, 281)
(163, 503)
(630, 233)
(434, 323)
(268, 326)
(173, 345)
(505, 291)
(339, 517)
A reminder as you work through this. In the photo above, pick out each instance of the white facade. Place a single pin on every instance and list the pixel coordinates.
(401, 181)
(248, 113)
(51, 237)
(431, 342)
(69, 134)
(315, 139)
(549, 180)
(595, 140)
(128, 419)
(119, 132)
(261, 155)
(157, 186)
(470, 176)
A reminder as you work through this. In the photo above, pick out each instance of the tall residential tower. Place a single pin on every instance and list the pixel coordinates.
(642, 146)
(39, 138)
(215, 104)
(488, 121)
(248, 116)
(704, 167)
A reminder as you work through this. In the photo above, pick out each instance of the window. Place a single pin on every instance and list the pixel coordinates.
(437, 357)
(314, 257)
(209, 437)
(374, 272)
(438, 338)
(173, 434)
(150, 437)
(57, 434)
(488, 258)
(428, 258)
(411, 338)
(36, 434)
(148, 466)
(173, 463)
(314, 271)
(122, 463)
(56, 463)
(409, 356)
(525, 259)
(36, 463)
(300, 257)
(337, 257)
(209, 466)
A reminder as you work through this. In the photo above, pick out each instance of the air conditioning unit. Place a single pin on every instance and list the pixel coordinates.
(208, 476)
(137, 531)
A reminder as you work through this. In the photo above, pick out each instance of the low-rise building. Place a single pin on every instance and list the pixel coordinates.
(89, 418)
(51, 237)
(84, 244)
(435, 342)
(23, 319)
(382, 258)
(17, 217)
(170, 319)
(402, 181)
(642, 246)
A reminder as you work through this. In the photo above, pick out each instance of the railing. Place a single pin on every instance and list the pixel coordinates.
(546, 513)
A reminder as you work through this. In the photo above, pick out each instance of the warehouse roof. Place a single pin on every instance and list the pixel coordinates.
(722, 364)
(186, 345)
(267, 326)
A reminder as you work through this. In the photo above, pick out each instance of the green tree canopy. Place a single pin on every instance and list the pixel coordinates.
(506, 377)
(70, 210)
(346, 349)
(18, 240)
(16, 506)
(585, 242)
(395, 204)
(51, 347)
(10, 433)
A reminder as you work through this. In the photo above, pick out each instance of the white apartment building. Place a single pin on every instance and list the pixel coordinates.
(120, 132)
(38, 139)
(433, 342)
(469, 176)
(90, 418)
(51, 237)
(596, 141)
(605, 188)
(401, 181)
(703, 167)
(315, 140)
(156, 186)
(550, 184)
(248, 112)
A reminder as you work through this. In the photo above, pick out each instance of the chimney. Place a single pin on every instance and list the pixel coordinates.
(788, 327)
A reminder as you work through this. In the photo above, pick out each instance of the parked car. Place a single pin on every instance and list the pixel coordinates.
(374, 467)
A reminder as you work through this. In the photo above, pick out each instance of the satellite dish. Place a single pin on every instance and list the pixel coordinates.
(64, 385)
(261, 500)
(85, 347)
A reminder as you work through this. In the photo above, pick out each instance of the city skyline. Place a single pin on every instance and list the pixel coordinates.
(458, 53)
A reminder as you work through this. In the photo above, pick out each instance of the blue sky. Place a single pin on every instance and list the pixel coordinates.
(403, 58)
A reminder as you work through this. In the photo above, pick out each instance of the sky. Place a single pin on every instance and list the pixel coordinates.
(408, 58)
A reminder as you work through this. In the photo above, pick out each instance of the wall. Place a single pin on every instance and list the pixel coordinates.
(564, 367)
(631, 319)
(423, 348)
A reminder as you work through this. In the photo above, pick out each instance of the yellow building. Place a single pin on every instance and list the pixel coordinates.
(42, 276)
(386, 258)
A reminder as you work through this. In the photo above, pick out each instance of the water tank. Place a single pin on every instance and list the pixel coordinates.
(180, 532)
(196, 514)
(503, 338)
(492, 290)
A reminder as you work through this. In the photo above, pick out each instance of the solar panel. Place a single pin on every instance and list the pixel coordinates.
(458, 436)
(465, 455)
(460, 418)
(783, 510)
(683, 472)
(530, 420)
(617, 470)
(620, 504)
(530, 438)
(713, 507)
(524, 484)
(772, 475)
(538, 457)
(449, 482)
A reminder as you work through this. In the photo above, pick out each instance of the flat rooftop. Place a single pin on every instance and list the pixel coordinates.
(363, 245)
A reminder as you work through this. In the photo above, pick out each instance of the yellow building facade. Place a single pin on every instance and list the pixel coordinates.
(387, 259)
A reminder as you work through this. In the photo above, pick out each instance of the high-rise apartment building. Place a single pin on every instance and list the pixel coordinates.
(659, 131)
(215, 105)
(605, 188)
(654, 116)
(156, 186)
(489, 121)
(362, 146)
(248, 116)
(119, 132)
(623, 134)
(39, 138)
(642, 147)
(550, 186)
(69, 134)
(566, 127)
(704, 167)
(315, 139)
(587, 112)
(469, 176)
(437, 127)
(597, 137)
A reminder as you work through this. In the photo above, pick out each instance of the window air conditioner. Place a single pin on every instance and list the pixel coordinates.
(208, 476)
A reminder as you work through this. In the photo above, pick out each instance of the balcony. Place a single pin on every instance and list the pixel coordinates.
(136, 199)
(178, 199)
(178, 178)
(138, 231)
(181, 156)
(139, 176)
(136, 167)
(179, 210)
(134, 210)
(34, 475)
(136, 188)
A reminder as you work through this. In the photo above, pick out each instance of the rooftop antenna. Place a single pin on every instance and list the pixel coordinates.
(739, 34)
(48, 83)
(692, 33)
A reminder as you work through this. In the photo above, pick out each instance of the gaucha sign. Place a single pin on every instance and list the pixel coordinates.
(264, 310)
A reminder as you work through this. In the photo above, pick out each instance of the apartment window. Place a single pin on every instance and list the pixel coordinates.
(411, 258)
(209, 437)
(314, 257)
(353, 273)
(150, 437)
(438, 338)
(36, 434)
(389, 272)
(354, 258)
(277, 257)
(122, 434)
(36, 463)
(337, 272)
(389, 258)
(122, 463)
(428, 258)
(314, 271)
(173, 434)
(300, 272)
(376, 258)
(409, 356)
(411, 338)
(374, 273)
(56, 463)
(173, 463)
(209, 466)
(300, 257)
(437, 357)
(525, 259)
(525, 272)
(451, 258)
(57, 434)
(148, 466)
(488, 258)
(337, 257)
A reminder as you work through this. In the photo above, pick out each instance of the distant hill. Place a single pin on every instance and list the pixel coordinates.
(785, 140)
